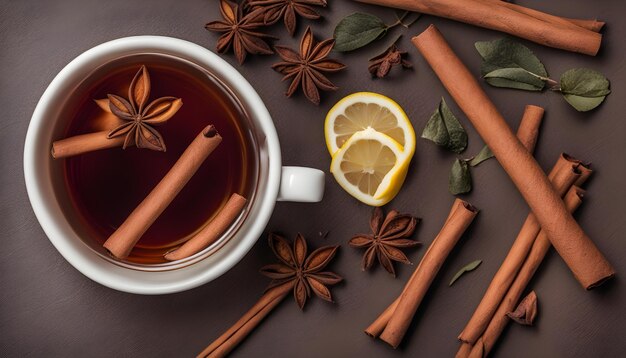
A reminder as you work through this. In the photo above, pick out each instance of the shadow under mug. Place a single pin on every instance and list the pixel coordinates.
(274, 182)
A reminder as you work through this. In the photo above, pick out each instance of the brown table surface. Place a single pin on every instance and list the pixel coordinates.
(49, 308)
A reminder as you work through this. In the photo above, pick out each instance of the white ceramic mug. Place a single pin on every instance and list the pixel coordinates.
(274, 181)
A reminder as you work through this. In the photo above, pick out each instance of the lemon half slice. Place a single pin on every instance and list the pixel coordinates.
(371, 166)
(363, 110)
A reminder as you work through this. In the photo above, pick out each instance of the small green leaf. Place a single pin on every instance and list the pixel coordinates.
(516, 78)
(584, 89)
(460, 181)
(444, 129)
(507, 63)
(467, 268)
(357, 30)
(483, 155)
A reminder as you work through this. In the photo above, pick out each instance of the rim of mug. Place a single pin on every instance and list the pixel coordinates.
(56, 226)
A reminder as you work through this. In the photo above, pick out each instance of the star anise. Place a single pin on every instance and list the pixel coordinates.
(138, 116)
(380, 65)
(240, 31)
(287, 9)
(304, 273)
(387, 238)
(305, 68)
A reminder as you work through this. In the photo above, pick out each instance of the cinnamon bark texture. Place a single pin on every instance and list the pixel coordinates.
(212, 231)
(483, 346)
(122, 241)
(578, 251)
(499, 16)
(528, 130)
(592, 25)
(563, 175)
(246, 324)
(392, 324)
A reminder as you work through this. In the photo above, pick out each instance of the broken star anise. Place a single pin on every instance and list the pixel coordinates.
(526, 311)
(389, 235)
(305, 68)
(304, 273)
(380, 65)
(138, 116)
(287, 9)
(240, 31)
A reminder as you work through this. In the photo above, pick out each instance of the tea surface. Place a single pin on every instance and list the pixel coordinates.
(106, 185)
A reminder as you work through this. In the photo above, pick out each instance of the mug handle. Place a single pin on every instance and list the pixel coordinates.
(301, 184)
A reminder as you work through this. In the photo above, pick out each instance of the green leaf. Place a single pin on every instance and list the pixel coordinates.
(467, 268)
(444, 129)
(584, 89)
(460, 180)
(357, 30)
(483, 155)
(516, 78)
(507, 63)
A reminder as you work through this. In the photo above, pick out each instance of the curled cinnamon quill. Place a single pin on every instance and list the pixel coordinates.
(526, 311)
(531, 25)
(122, 241)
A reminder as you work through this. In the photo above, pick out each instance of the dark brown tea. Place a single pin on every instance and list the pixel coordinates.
(105, 186)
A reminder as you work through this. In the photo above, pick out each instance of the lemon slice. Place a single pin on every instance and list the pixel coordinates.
(370, 166)
(363, 110)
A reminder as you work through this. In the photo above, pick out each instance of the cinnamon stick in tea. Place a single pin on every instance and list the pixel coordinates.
(122, 241)
(396, 319)
(563, 175)
(104, 124)
(581, 255)
(240, 330)
(527, 132)
(84, 143)
(212, 231)
(496, 16)
(483, 346)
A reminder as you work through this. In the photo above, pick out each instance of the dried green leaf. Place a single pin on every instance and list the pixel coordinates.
(357, 30)
(460, 178)
(444, 129)
(467, 268)
(509, 64)
(584, 89)
(483, 155)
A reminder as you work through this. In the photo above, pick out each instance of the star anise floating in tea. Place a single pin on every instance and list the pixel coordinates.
(305, 68)
(288, 10)
(241, 31)
(303, 272)
(138, 115)
(389, 235)
(379, 66)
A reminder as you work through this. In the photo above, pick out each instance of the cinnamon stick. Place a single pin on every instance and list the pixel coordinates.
(563, 175)
(528, 129)
(396, 318)
(212, 231)
(496, 16)
(592, 25)
(589, 266)
(527, 132)
(122, 241)
(572, 200)
(84, 143)
(240, 330)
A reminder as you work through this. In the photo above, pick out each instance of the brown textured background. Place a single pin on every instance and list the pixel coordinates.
(49, 308)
